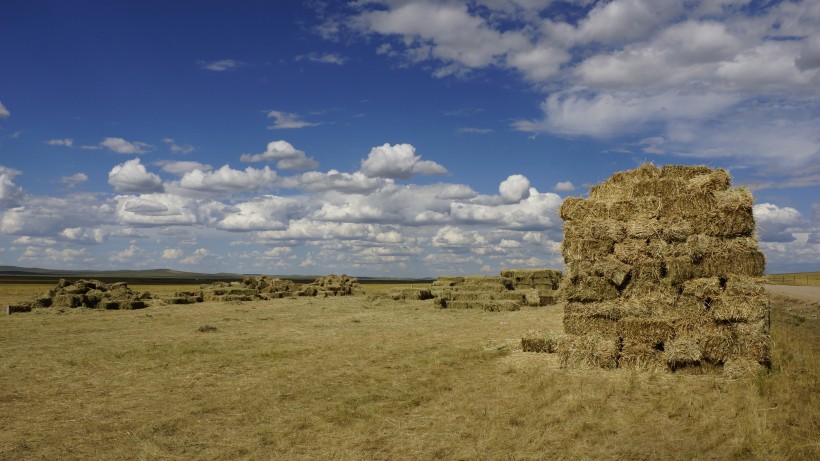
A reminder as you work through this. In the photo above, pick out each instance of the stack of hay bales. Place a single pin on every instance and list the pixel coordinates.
(268, 287)
(228, 291)
(663, 273)
(333, 285)
(411, 293)
(444, 284)
(92, 294)
(490, 293)
(544, 281)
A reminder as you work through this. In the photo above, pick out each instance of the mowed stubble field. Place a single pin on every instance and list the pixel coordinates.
(370, 378)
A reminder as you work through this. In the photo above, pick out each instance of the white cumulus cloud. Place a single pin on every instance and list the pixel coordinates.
(121, 146)
(514, 189)
(132, 176)
(398, 162)
(285, 155)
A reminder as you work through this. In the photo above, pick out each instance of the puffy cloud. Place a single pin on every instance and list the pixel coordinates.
(121, 146)
(456, 192)
(564, 186)
(285, 155)
(126, 254)
(10, 193)
(776, 224)
(226, 179)
(180, 168)
(625, 20)
(333, 180)
(74, 179)
(286, 120)
(266, 213)
(172, 253)
(67, 142)
(85, 235)
(48, 216)
(4, 113)
(132, 176)
(514, 189)
(454, 238)
(156, 210)
(398, 162)
(221, 65)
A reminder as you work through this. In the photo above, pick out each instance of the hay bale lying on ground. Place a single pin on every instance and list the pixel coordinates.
(411, 293)
(92, 294)
(663, 273)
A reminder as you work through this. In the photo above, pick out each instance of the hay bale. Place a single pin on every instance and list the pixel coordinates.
(67, 300)
(537, 341)
(714, 180)
(500, 305)
(17, 308)
(736, 368)
(637, 355)
(412, 294)
(589, 289)
(682, 352)
(588, 351)
(583, 324)
(651, 331)
(740, 308)
(685, 172)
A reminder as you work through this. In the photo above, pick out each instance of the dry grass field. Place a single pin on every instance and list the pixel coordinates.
(357, 378)
(799, 278)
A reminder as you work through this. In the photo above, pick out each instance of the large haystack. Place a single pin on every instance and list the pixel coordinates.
(544, 281)
(662, 273)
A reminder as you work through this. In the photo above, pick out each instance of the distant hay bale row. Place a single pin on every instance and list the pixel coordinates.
(92, 294)
(663, 273)
(265, 287)
(506, 292)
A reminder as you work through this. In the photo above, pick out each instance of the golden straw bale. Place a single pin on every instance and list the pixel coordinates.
(660, 187)
(612, 269)
(675, 229)
(693, 205)
(740, 285)
(589, 289)
(534, 341)
(635, 355)
(639, 207)
(588, 351)
(753, 341)
(580, 324)
(586, 248)
(643, 228)
(685, 172)
(638, 289)
(579, 209)
(647, 269)
(647, 330)
(500, 305)
(612, 310)
(735, 368)
(715, 180)
(678, 269)
(630, 250)
(740, 308)
(749, 263)
(703, 287)
(680, 352)
(717, 342)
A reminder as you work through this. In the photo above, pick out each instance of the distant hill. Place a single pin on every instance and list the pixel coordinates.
(16, 274)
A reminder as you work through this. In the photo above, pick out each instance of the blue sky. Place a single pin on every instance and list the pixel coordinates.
(402, 138)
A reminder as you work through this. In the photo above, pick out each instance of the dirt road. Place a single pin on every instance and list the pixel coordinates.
(802, 293)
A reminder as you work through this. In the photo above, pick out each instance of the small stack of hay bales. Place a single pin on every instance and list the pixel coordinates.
(544, 281)
(444, 284)
(490, 293)
(268, 287)
(228, 292)
(411, 293)
(92, 294)
(334, 285)
(663, 273)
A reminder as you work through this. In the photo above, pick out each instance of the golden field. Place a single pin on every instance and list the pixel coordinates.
(367, 377)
